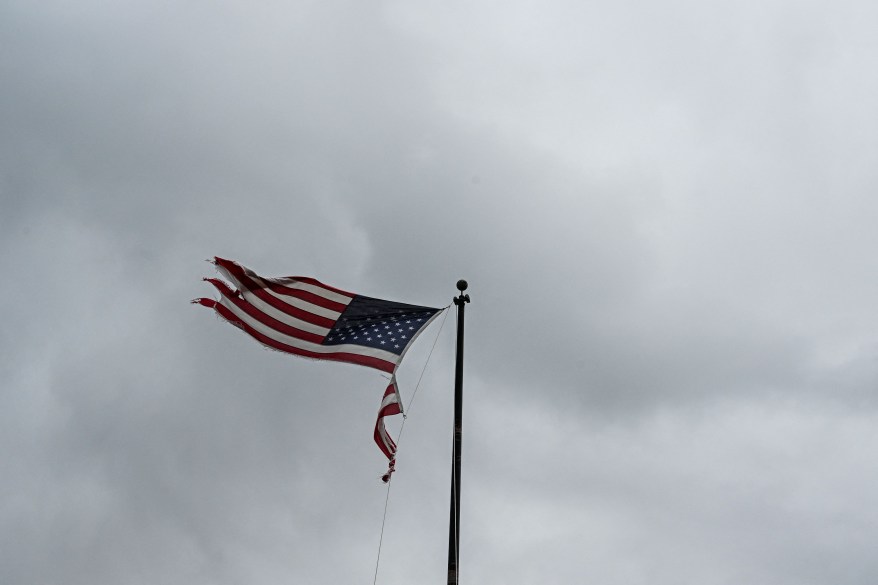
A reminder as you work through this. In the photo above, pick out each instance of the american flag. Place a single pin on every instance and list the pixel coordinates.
(305, 317)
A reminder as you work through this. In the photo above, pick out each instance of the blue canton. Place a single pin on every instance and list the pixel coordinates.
(379, 324)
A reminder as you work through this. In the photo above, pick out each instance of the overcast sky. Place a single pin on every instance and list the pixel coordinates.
(667, 215)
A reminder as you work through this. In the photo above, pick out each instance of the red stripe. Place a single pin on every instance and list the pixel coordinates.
(306, 279)
(275, 302)
(306, 296)
(388, 447)
(246, 277)
(351, 358)
(390, 409)
(268, 320)
(388, 450)
(315, 282)
(240, 273)
(206, 302)
(289, 309)
(385, 442)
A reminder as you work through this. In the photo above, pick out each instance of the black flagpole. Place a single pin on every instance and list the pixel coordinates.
(454, 523)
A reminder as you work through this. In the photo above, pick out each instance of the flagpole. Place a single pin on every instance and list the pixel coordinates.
(454, 522)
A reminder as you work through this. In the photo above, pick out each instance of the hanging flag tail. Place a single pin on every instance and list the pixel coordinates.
(390, 405)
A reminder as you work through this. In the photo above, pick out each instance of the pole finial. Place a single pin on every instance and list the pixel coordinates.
(461, 298)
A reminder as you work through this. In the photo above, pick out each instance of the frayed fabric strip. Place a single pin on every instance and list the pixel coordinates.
(391, 467)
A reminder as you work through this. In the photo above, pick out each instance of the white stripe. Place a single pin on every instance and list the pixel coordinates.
(317, 290)
(396, 395)
(307, 345)
(388, 400)
(292, 301)
(382, 433)
(283, 317)
(305, 305)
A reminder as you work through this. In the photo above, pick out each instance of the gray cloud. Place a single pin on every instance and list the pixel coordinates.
(665, 215)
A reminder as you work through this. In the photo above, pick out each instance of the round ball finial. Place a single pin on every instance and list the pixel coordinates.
(461, 285)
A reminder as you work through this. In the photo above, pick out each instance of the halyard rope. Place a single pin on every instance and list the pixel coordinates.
(399, 439)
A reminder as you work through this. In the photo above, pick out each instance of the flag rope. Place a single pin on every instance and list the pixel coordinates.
(421, 377)
(399, 438)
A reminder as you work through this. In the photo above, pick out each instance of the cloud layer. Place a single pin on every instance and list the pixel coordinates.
(666, 216)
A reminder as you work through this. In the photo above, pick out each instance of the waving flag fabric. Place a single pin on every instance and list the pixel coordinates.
(390, 404)
(305, 317)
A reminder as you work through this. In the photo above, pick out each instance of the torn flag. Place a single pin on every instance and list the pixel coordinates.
(305, 317)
